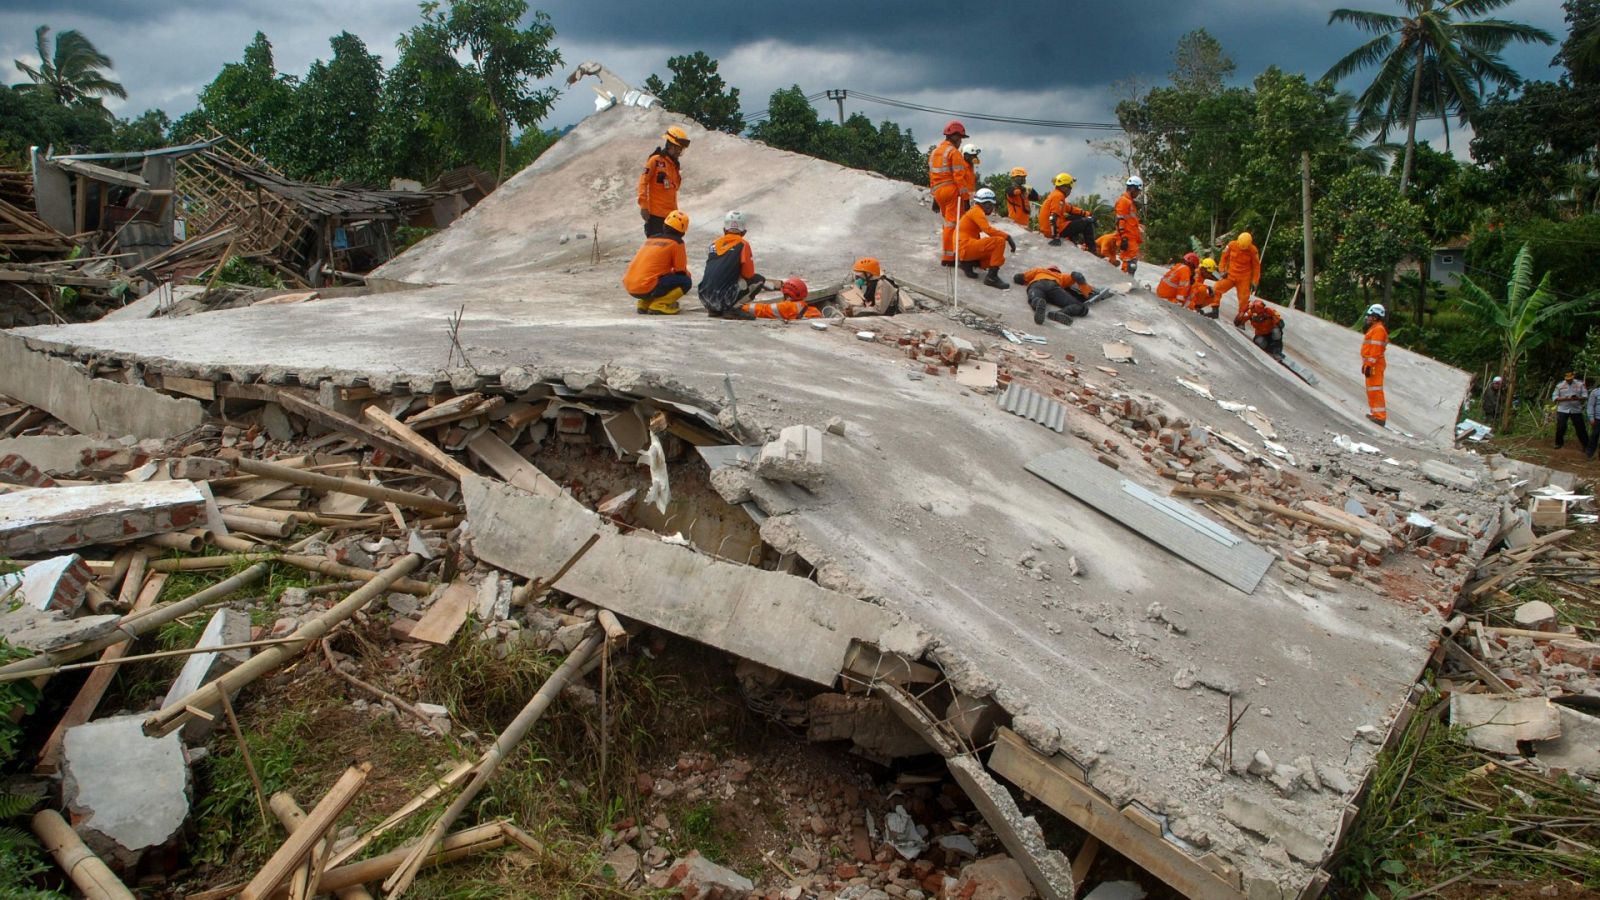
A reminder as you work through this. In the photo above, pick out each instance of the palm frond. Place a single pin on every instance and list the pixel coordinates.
(1370, 22)
(1367, 54)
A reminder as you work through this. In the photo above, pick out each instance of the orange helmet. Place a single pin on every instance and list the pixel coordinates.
(677, 220)
(676, 135)
(1019, 172)
(868, 266)
(795, 289)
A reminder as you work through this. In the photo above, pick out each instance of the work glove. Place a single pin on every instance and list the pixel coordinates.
(644, 214)
(1055, 242)
(1012, 243)
(1366, 371)
(1124, 244)
(1255, 287)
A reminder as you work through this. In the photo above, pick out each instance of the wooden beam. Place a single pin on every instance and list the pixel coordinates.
(317, 481)
(290, 854)
(329, 418)
(444, 461)
(516, 469)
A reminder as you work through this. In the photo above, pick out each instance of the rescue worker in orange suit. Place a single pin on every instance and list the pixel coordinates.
(658, 184)
(1106, 246)
(659, 274)
(1130, 234)
(1050, 287)
(1374, 346)
(729, 278)
(1202, 299)
(1241, 269)
(944, 165)
(1266, 323)
(793, 305)
(982, 244)
(1059, 219)
(1020, 198)
(1178, 284)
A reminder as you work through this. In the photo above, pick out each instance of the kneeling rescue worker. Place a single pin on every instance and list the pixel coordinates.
(1374, 348)
(792, 306)
(1106, 246)
(870, 292)
(982, 244)
(1059, 219)
(1202, 299)
(1268, 326)
(658, 184)
(1178, 284)
(659, 273)
(730, 278)
(1054, 295)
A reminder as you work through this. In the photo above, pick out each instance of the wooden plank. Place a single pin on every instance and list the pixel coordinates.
(1181, 531)
(1037, 774)
(337, 421)
(437, 457)
(444, 411)
(299, 844)
(101, 173)
(445, 617)
(506, 462)
(194, 387)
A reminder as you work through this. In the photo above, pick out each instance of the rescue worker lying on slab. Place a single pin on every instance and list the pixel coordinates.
(1050, 287)
(979, 243)
(659, 274)
(730, 279)
(1178, 283)
(1059, 219)
(871, 293)
(1020, 198)
(1267, 324)
(794, 305)
(658, 184)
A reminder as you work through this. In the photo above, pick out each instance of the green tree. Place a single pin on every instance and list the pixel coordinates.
(792, 124)
(1522, 318)
(1370, 229)
(71, 74)
(145, 132)
(1436, 58)
(249, 101)
(504, 57)
(1540, 147)
(334, 114)
(1199, 64)
(429, 121)
(697, 91)
(29, 118)
(1580, 52)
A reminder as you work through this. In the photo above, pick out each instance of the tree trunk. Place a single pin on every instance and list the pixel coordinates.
(1424, 271)
(1508, 363)
(505, 135)
(1308, 272)
(1411, 146)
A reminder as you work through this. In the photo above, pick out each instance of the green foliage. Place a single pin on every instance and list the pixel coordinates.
(697, 91)
(1580, 52)
(249, 102)
(72, 73)
(1539, 148)
(21, 694)
(1370, 228)
(1199, 64)
(241, 271)
(29, 118)
(792, 123)
(338, 103)
(22, 861)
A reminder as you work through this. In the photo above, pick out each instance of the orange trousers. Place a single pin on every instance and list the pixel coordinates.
(1129, 255)
(1375, 400)
(948, 196)
(1242, 289)
(988, 251)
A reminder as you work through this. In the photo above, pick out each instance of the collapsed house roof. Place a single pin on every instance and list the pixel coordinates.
(1120, 659)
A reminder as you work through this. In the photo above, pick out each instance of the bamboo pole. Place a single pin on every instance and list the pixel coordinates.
(261, 527)
(87, 871)
(1276, 509)
(173, 716)
(291, 816)
(451, 779)
(206, 563)
(489, 763)
(123, 660)
(179, 540)
(346, 486)
(135, 624)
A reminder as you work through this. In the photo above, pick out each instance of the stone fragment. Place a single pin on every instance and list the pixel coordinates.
(1273, 825)
(59, 583)
(1536, 615)
(1261, 764)
(227, 626)
(993, 878)
(621, 866)
(695, 871)
(127, 793)
(795, 456)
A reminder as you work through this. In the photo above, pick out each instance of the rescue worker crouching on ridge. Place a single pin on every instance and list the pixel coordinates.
(1059, 219)
(1202, 299)
(1020, 198)
(794, 305)
(659, 274)
(1177, 285)
(1241, 269)
(982, 244)
(1267, 324)
(1106, 247)
(730, 277)
(872, 293)
(1130, 234)
(1374, 352)
(943, 164)
(1050, 287)
(658, 184)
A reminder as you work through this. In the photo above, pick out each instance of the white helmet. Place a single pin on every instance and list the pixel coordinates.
(1135, 181)
(971, 150)
(733, 221)
(1377, 309)
(984, 195)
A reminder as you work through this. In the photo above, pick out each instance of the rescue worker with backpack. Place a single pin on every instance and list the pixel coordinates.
(944, 167)
(1055, 295)
(1059, 219)
(659, 183)
(659, 274)
(982, 244)
(870, 292)
(729, 279)
(1020, 198)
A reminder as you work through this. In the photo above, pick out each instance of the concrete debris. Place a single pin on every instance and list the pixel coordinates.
(1442, 473)
(128, 793)
(1535, 615)
(45, 520)
(1499, 725)
(1273, 825)
(864, 721)
(1576, 751)
(704, 877)
(795, 456)
(227, 627)
(59, 583)
(993, 878)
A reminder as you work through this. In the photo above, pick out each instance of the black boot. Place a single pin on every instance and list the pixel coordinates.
(1038, 310)
(947, 263)
(1056, 315)
(1055, 242)
(994, 280)
(968, 268)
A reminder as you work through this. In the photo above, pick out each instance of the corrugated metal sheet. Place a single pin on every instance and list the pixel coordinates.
(1034, 406)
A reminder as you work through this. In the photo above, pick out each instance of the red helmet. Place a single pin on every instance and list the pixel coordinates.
(1192, 260)
(954, 126)
(795, 289)
(1052, 268)
(1257, 306)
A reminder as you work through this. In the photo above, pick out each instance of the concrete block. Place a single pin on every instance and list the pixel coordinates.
(1577, 751)
(1536, 615)
(865, 721)
(227, 626)
(795, 456)
(40, 631)
(61, 455)
(42, 521)
(1443, 473)
(127, 793)
(59, 583)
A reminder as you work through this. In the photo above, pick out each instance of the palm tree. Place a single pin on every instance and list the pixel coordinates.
(73, 74)
(1520, 318)
(1438, 58)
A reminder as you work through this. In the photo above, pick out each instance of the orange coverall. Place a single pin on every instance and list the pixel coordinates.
(1107, 245)
(1128, 229)
(1241, 270)
(1054, 211)
(1018, 207)
(657, 258)
(658, 184)
(981, 242)
(944, 167)
(1201, 296)
(1373, 348)
(1176, 285)
(783, 309)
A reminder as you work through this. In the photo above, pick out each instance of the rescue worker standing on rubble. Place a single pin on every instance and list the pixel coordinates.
(982, 244)
(659, 274)
(1054, 295)
(1241, 269)
(1569, 397)
(1020, 198)
(1202, 299)
(1130, 234)
(730, 277)
(944, 167)
(1178, 284)
(1268, 327)
(1060, 219)
(968, 174)
(1374, 349)
(658, 184)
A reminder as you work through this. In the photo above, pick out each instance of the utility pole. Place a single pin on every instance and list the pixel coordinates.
(838, 95)
(1307, 272)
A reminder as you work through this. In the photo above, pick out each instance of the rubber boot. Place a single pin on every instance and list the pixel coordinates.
(947, 263)
(994, 280)
(1057, 315)
(666, 304)
(1055, 242)
(1133, 267)
(642, 307)
(968, 268)
(1381, 423)
(1038, 310)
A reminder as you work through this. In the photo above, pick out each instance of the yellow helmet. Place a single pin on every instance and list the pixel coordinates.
(1065, 180)
(678, 221)
(1245, 240)
(676, 135)
(1019, 172)
(1209, 264)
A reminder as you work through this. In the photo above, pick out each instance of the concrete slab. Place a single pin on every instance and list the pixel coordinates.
(91, 405)
(127, 792)
(58, 454)
(48, 519)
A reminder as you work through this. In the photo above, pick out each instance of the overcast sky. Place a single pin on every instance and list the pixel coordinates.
(1046, 60)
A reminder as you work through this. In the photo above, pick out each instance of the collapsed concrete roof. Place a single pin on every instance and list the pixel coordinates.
(1024, 594)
